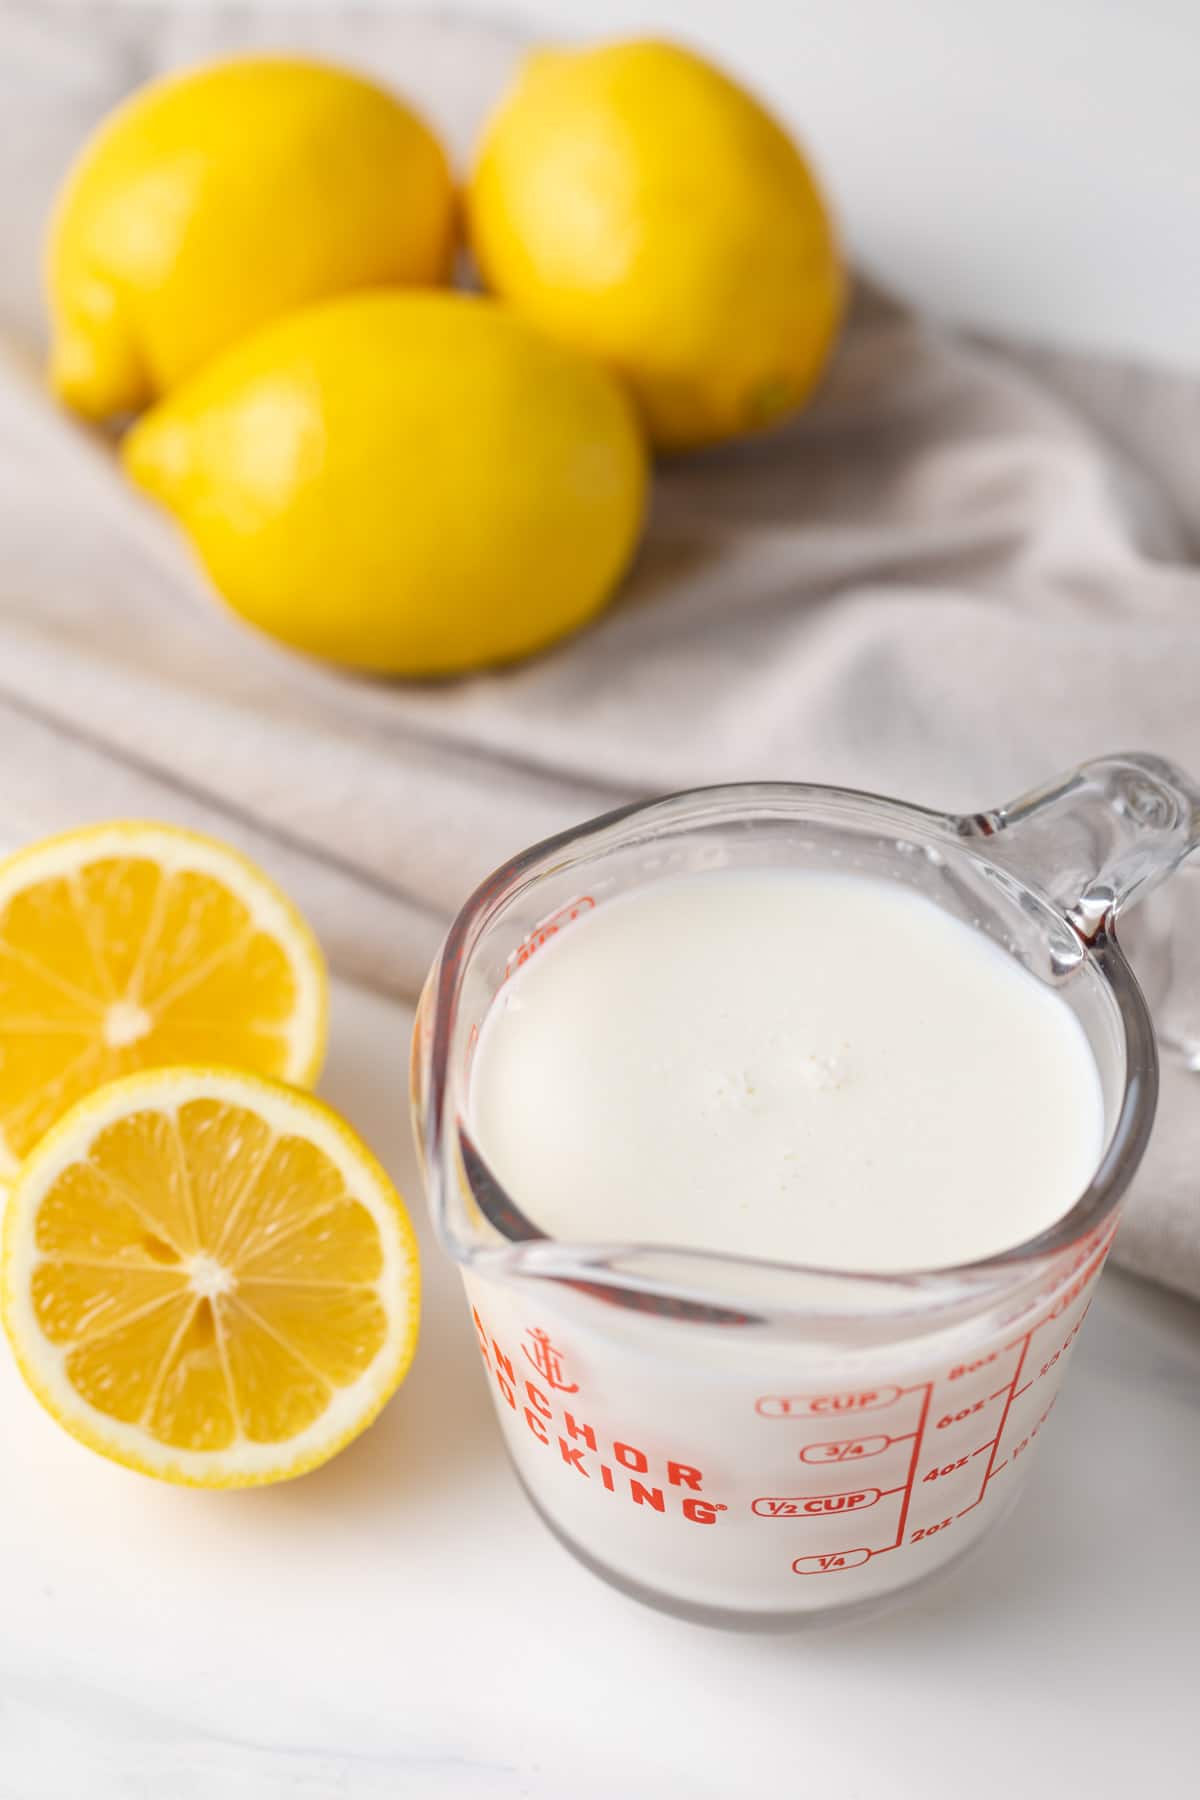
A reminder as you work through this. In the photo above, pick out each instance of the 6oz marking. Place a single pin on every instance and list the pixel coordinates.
(958, 1417)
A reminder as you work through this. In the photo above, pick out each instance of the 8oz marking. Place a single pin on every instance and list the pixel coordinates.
(962, 1369)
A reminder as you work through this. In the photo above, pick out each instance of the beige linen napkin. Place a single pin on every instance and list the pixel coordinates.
(964, 569)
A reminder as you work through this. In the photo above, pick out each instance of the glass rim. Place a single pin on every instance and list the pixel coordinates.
(589, 1263)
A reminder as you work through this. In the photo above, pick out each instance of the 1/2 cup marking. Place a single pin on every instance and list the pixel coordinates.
(814, 1506)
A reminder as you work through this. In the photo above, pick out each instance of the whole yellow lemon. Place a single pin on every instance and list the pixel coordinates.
(215, 200)
(640, 205)
(412, 483)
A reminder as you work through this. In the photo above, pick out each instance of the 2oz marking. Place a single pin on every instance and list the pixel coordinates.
(925, 1531)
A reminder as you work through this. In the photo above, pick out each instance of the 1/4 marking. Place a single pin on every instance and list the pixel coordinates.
(831, 1563)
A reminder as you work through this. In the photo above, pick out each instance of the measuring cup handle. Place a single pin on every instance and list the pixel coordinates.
(1098, 839)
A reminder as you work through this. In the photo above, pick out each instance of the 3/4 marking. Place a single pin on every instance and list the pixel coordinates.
(845, 1450)
(832, 1563)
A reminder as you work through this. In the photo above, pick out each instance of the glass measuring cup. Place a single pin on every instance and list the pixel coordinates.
(752, 1443)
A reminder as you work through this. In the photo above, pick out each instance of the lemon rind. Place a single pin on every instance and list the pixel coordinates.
(176, 849)
(284, 1109)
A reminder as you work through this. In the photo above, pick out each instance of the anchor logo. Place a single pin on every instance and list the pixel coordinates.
(547, 1360)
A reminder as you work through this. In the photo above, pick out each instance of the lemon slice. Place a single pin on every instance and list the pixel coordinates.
(208, 1277)
(128, 946)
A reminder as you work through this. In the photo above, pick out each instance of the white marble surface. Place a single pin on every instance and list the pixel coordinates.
(399, 1624)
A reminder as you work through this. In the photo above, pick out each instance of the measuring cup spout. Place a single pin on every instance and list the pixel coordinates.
(1098, 838)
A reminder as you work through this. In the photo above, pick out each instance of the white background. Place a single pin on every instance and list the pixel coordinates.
(1031, 166)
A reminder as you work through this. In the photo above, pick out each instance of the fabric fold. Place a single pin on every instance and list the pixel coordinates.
(966, 567)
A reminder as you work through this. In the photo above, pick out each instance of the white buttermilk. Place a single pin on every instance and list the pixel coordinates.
(805, 1067)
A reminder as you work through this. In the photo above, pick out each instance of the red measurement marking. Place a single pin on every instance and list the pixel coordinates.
(816, 1506)
(832, 1563)
(1064, 1346)
(936, 1474)
(816, 1406)
(844, 1450)
(925, 1531)
(1029, 1437)
(961, 1369)
(987, 1473)
(1076, 1288)
(965, 1413)
(548, 928)
(912, 1464)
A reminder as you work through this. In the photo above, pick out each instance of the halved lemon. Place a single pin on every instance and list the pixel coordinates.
(208, 1277)
(131, 945)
